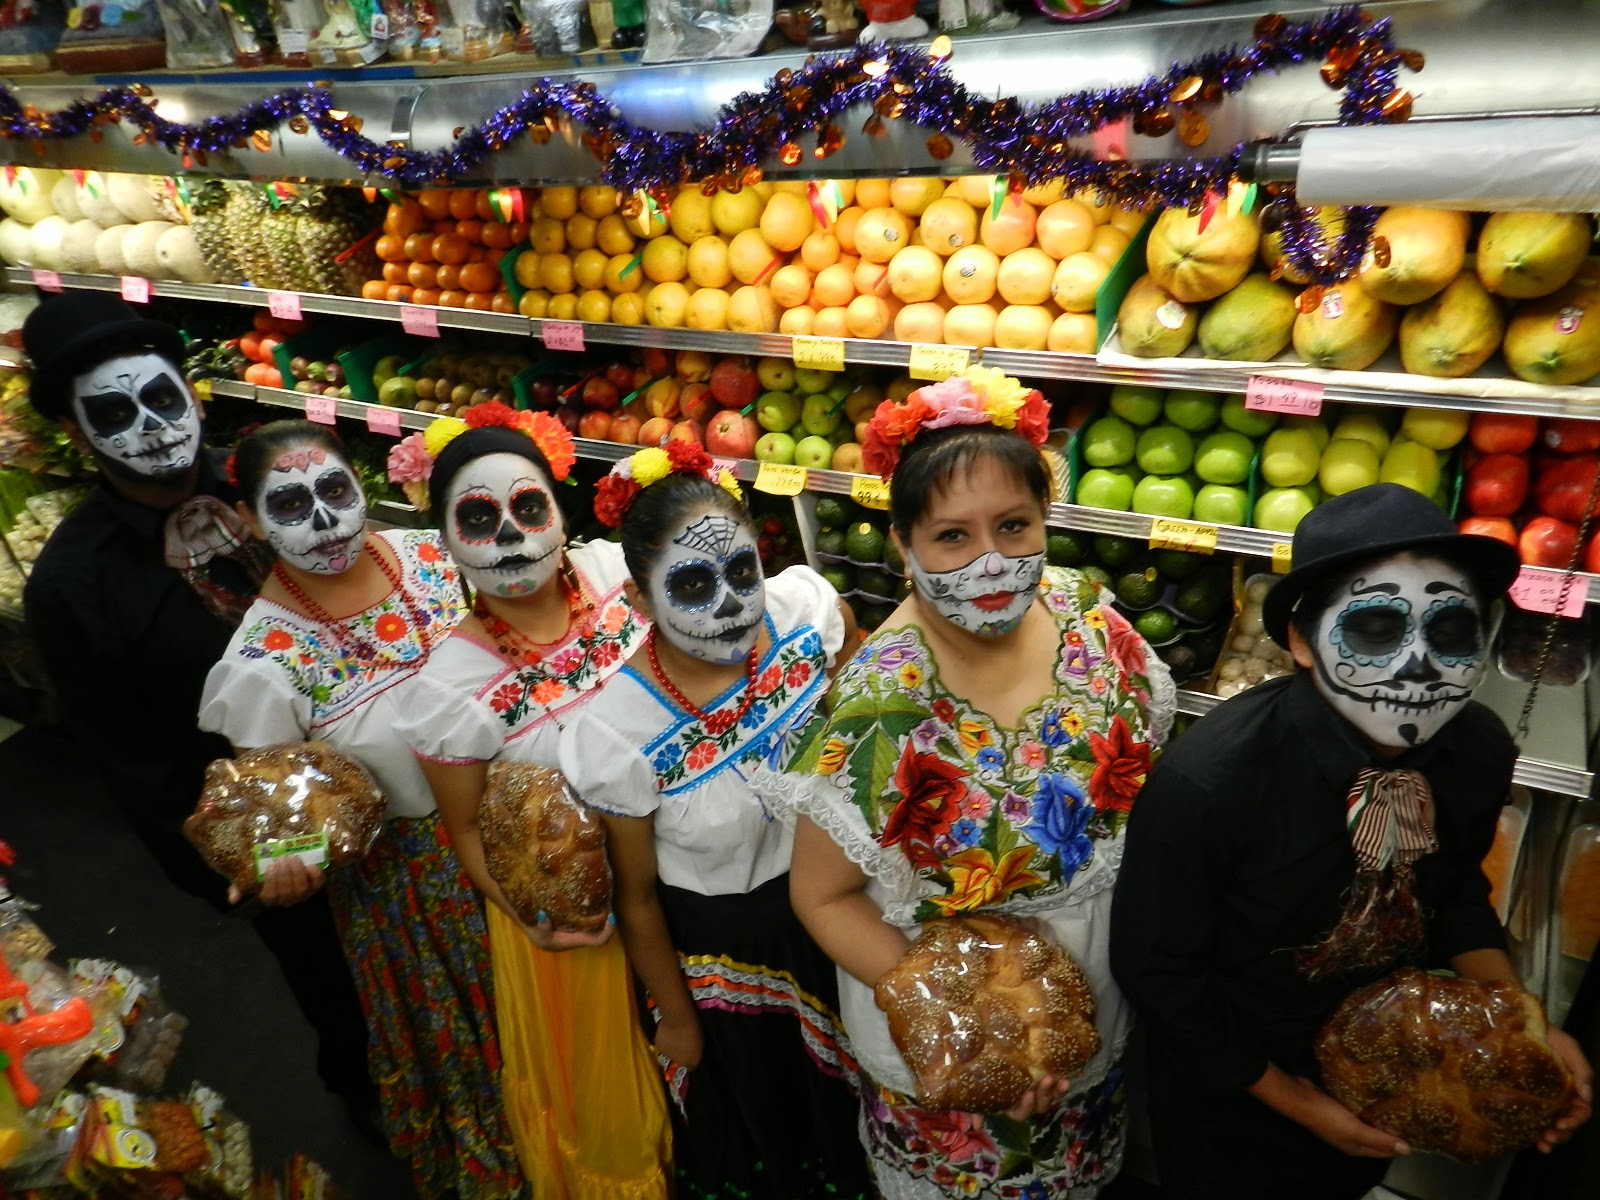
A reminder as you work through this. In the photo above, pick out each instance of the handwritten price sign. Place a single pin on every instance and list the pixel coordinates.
(818, 353)
(1169, 534)
(870, 492)
(47, 281)
(1288, 396)
(322, 409)
(938, 362)
(419, 320)
(562, 335)
(135, 289)
(781, 479)
(284, 305)
(1540, 591)
(383, 420)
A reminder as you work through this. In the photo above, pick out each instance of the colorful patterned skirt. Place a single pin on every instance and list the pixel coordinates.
(413, 931)
(918, 1154)
(770, 1112)
(582, 1092)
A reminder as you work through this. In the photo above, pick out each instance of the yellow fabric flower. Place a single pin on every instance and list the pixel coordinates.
(1094, 618)
(441, 433)
(976, 880)
(650, 465)
(1073, 724)
(1003, 396)
(729, 483)
(910, 676)
(833, 755)
(974, 737)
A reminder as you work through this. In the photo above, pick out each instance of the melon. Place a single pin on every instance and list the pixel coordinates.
(133, 196)
(46, 235)
(1347, 330)
(1426, 250)
(108, 250)
(16, 243)
(1193, 265)
(1454, 333)
(1525, 255)
(139, 248)
(1330, 220)
(64, 199)
(94, 201)
(179, 253)
(77, 247)
(1152, 324)
(26, 196)
(1556, 339)
(1253, 322)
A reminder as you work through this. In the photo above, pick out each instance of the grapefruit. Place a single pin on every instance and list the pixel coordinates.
(914, 274)
(786, 221)
(872, 193)
(628, 309)
(751, 259)
(791, 285)
(1077, 281)
(844, 229)
(558, 202)
(666, 259)
(751, 309)
(593, 305)
(691, 216)
(1065, 228)
(871, 278)
(707, 309)
(1012, 229)
(969, 274)
(881, 234)
(734, 212)
(867, 317)
(948, 224)
(666, 305)
(976, 190)
(970, 325)
(1022, 327)
(1042, 194)
(912, 194)
(1072, 333)
(1025, 276)
(920, 322)
(1100, 208)
(820, 249)
(708, 262)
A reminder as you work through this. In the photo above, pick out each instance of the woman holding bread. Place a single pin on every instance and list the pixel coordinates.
(977, 758)
(548, 625)
(331, 651)
(743, 1000)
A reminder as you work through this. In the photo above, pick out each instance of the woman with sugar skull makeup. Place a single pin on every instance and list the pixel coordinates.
(549, 624)
(332, 650)
(980, 753)
(743, 1000)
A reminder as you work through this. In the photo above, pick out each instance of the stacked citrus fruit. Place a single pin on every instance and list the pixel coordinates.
(443, 247)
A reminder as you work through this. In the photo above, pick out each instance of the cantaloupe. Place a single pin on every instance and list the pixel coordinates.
(94, 201)
(132, 196)
(1426, 248)
(16, 243)
(64, 199)
(1193, 265)
(1152, 323)
(1454, 333)
(1524, 255)
(1347, 330)
(108, 250)
(1555, 339)
(46, 236)
(139, 248)
(77, 246)
(26, 195)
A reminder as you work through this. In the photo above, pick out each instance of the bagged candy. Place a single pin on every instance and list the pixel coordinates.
(982, 1007)
(1451, 1065)
(545, 849)
(305, 799)
(693, 29)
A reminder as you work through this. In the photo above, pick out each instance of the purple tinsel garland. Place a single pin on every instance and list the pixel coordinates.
(1004, 136)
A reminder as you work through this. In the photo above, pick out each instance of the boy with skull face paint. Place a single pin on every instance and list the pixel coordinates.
(1311, 835)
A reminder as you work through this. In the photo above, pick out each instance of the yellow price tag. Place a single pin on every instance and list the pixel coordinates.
(780, 479)
(818, 353)
(201, 389)
(869, 491)
(938, 362)
(1282, 557)
(1168, 534)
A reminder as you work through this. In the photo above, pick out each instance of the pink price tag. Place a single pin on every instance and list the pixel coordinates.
(322, 409)
(135, 289)
(1288, 396)
(419, 320)
(384, 420)
(562, 335)
(284, 305)
(1539, 591)
(730, 465)
(47, 281)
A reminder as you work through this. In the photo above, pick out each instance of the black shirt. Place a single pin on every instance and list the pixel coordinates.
(1237, 851)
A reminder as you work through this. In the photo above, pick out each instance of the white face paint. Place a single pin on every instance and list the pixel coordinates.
(1400, 648)
(707, 592)
(138, 415)
(989, 596)
(504, 529)
(313, 511)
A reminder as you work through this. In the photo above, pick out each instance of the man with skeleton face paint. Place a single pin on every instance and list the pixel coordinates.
(1309, 836)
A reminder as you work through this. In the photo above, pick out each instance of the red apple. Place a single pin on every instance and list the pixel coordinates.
(661, 397)
(656, 360)
(732, 435)
(599, 392)
(595, 424)
(655, 431)
(546, 395)
(1503, 433)
(625, 429)
(693, 366)
(1567, 435)
(696, 402)
(734, 382)
(1564, 486)
(1547, 542)
(1497, 485)
(1498, 528)
(688, 431)
(621, 376)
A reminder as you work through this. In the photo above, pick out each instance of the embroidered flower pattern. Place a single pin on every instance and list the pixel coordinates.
(580, 665)
(389, 627)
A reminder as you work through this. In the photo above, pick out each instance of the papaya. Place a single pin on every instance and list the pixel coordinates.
(1426, 250)
(1195, 265)
(1556, 339)
(1329, 219)
(1525, 255)
(1152, 324)
(1251, 322)
(1347, 330)
(1454, 333)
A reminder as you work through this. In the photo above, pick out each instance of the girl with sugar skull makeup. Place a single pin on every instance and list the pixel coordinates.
(549, 624)
(1020, 713)
(331, 650)
(744, 1001)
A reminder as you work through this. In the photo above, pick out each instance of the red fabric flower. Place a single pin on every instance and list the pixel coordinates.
(701, 755)
(718, 723)
(1033, 418)
(277, 639)
(688, 456)
(770, 679)
(505, 697)
(1126, 646)
(427, 552)
(603, 654)
(613, 496)
(1120, 767)
(389, 627)
(797, 674)
(944, 710)
(891, 427)
(931, 791)
(480, 416)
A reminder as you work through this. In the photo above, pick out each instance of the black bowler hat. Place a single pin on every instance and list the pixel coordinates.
(1375, 522)
(70, 333)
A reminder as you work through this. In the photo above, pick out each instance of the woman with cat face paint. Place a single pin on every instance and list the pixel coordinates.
(549, 624)
(744, 1002)
(331, 650)
(1017, 712)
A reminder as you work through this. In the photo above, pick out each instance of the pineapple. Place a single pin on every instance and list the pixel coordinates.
(279, 235)
(330, 221)
(243, 215)
(211, 231)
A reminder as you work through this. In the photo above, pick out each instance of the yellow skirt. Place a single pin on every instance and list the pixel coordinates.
(581, 1088)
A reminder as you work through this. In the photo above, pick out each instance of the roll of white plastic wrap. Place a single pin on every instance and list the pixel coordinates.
(1547, 164)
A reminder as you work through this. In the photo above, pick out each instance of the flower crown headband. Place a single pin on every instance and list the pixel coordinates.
(976, 396)
(411, 459)
(614, 494)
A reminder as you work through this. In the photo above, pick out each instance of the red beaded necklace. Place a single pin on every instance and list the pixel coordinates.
(516, 646)
(363, 649)
(693, 709)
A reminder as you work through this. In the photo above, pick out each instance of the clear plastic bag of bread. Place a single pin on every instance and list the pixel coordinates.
(301, 790)
(545, 849)
(1452, 1066)
(982, 1007)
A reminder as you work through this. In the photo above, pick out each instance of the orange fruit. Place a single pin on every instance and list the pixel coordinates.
(485, 210)
(390, 247)
(453, 298)
(425, 296)
(948, 224)
(830, 322)
(563, 307)
(867, 317)
(404, 218)
(791, 285)
(420, 275)
(833, 287)
(535, 303)
(479, 277)
(497, 234)
(1077, 281)
(556, 273)
(623, 275)
(1073, 333)
(1022, 327)
(844, 229)
(707, 309)
(751, 259)
(374, 289)
(396, 272)
(493, 257)
(666, 305)
(1100, 208)
(797, 321)
(419, 247)
(435, 203)
(448, 276)
(581, 231)
(503, 303)
(597, 201)
(1042, 194)
(1127, 221)
(976, 190)
(969, 274)
(912, 194)
(547, 236)
(1012, 229)
(479, 301)
(1109, 243)
(871, 278)
(450, 248)
(612, 235)
(464, 203)
(872, 193)
(445, 226)
(921, 322)
(593, 305)
(787, 221)
(970, 325)
(914, 274)
(1024, 277)
(519, 232)
(1064, 228)
(820, 249)
(471, 230)
(628, 309)
(666, 259)
(691, 216)
(398, 292)
(589, 269)
(881, 233)
(734, 212)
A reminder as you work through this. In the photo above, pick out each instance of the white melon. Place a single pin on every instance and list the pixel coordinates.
(108, 250)
(16, 243)
(77, 247)
(133, 196)
(139, 248)
(94, 201)
(180, 256)
(64, 199)
(26, 195)
(47, 234)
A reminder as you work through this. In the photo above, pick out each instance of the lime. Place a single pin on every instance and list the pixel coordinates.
(1066, 549)
(864, 542)
(843, 579)
(892, 557)
(831, 541)
(832, 513)
(1178, 564)
(875, 580)
(1137, 589)
(1115, 551)
(1096, 575)
(1156, 625)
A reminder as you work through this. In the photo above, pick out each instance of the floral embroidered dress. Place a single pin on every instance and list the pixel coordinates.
(412, 927)
(581, 1089)
(949, 812)
(770, 1110)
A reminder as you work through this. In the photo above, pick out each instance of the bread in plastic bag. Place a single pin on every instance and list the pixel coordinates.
(304, 790)
(982, 1007)
(1450, 1065)
(676, 30)
(544, 848)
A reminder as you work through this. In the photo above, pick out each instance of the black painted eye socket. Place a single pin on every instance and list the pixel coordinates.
(110, 413)
(165, 398)
(478, 518)
(530, 508)
(337, 490)
(289, 504)
(1456, 632)
(744, 571)
(693, 585)
(1375, 631)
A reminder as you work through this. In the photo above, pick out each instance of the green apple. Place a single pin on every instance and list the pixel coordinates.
(1347, 464)
(1315, 426)
(810, 380)
(1108, 442)
(1290, 457)
(1136, 405)
(1164, 496)
(1367, 427)
(1247, 421)
(1281, 509)
(1411, 464)
(1107, 487)
(775, 448)
(777, 410)
(1165, 450)
(1436, 428)
(1194, 411)
(814, 451)
(821, 414)
(1222, 505)
(776, 374)
(1224, 457)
